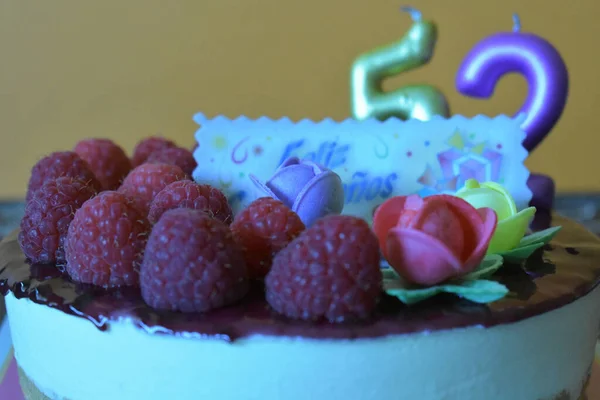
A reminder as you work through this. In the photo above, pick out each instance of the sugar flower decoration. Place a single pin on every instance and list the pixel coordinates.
(307, 188)
(512, 224)
(431, 240)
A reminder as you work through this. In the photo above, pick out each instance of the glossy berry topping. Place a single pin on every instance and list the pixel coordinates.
(144, 182)
(331, 271)
(188, 194)
(55, 165)
(181, 157)
(147, 146)
(262, 229)
(106, 241)
(47, 217)
(192, 264)
(106, 159)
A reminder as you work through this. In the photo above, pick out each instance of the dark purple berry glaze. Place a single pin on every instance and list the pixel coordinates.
(565, 270)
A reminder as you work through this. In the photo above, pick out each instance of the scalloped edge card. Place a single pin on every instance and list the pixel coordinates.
(375, 160)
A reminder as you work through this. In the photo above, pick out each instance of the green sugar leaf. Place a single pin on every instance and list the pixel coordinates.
(478, 291)
(543, 237)
(521, 253)
(490, 264)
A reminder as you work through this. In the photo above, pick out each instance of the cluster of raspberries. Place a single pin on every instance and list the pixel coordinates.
(109, 220)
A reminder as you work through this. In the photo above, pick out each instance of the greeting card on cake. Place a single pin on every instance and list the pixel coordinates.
(375, 160)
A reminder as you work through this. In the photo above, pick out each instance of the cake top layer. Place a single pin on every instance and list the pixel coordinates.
(563, 271)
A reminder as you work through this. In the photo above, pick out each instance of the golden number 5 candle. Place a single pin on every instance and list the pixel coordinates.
(411, 101)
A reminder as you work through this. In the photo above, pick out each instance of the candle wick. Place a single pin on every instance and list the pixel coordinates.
(415, 14)
(516, 23)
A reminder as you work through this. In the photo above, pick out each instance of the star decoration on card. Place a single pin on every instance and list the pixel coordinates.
(458, 142)
(219, 142)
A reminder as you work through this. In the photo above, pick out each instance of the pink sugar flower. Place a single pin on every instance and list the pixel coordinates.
(433, 239)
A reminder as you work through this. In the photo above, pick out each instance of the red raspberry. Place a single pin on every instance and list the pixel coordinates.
(106, 241)
(188, 194)
(148, 146)
(192, 264)
(47, 217)
(106, 159)
(264, 228)
(55, 165)
(144, 182)
(181, 157)
(330, 271)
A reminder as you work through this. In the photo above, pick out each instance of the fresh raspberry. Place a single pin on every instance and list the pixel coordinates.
(47, 217)
(106, 159)
(264, 228)
(330, 271)
(55, 165)
(179, 156)
(192, 264)
(106, 241)
(144, 182)
(148, 146)
(188, 194)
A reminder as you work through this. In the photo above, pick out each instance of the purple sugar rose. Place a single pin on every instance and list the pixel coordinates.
(309, 189)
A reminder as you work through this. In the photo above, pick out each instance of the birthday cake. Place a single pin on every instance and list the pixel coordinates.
(374, 258)
(306, 265)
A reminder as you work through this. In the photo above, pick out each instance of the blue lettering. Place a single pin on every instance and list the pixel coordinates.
(326, 160)
(369, 188)
(289, 150)
(357, 189)
(322, 155)
(388, 188)
(338, 157)
(374, 188)
(329, 153)
(323, 151)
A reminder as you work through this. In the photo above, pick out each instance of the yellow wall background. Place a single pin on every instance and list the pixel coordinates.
(125, 69)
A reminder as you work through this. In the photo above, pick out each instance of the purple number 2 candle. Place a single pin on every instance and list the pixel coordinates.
(526, 54)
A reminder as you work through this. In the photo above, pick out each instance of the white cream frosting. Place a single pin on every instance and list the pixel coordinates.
(537, 358)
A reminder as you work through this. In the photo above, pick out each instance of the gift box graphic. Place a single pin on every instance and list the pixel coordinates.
(465, 160)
